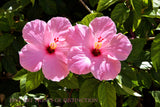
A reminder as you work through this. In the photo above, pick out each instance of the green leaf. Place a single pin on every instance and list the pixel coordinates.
(70, 82)
(104, 4)
(107, 95)
(144, 79)
(127, 76)
(137, 49)
(128, 90)
(155, 13)
(93, 2)
(88, 89)
(9, 64)
(137, 6)
(33, 80)
(87, 19)
(158, 27)
(131, 102)
(156, 95)
(23, 85)
(120, 13)
(32, 1)
(55, 90)
(155, 53)
(48, 6)
(136, 21)
(5, 41)
(144, 28)
(20, 74)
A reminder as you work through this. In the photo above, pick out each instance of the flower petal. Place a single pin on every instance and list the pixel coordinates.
(33, 32)
(53, 68)
(120, 47)
(80, 35)
(105, 68)
(57, 27)
(31, 57)
(78, 60)
(103, 26)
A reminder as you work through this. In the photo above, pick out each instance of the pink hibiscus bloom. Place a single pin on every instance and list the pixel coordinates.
(97, 49)
(46, 47)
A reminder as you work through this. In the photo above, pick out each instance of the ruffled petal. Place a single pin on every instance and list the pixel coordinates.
(103, 27)
(53, 68)
(105, 68)
(57, 27)
(119, 47)
(78, 60)
(80, 35)
(33, 32)
(31, 57)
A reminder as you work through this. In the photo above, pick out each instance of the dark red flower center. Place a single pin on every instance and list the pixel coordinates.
(96, 52)
(50, 50)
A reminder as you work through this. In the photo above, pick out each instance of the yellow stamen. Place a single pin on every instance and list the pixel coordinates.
(98, 45)
(53, 45)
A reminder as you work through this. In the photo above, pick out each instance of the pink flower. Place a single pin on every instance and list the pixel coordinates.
(97, 49)
(46, 47)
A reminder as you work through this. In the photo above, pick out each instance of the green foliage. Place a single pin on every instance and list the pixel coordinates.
(120, 13)
(155, 53)
(137, 49)
(88, 90)
(104, 4)
(8, 64)
(5, 41)
(49, 6)
(107, 95)
(88, 18)
(156, 95)
(136, 5)
(33, 80)
(93, 2)
(29, 80)
(70, 82)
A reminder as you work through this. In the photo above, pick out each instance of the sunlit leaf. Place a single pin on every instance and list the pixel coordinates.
(155, 13)
(87, 19)
(137, 6)
(128, 90)
(104, 4)
(33, 80)
(20, 74)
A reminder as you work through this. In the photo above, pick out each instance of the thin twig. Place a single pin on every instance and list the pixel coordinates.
(86, 6)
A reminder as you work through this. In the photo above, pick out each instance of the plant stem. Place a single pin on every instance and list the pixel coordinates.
(86, 6)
